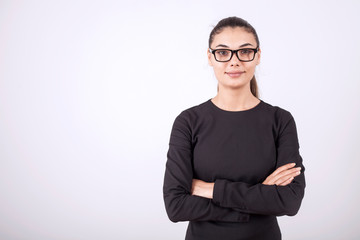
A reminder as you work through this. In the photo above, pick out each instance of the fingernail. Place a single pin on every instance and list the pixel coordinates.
(298, 172)
(293, 164)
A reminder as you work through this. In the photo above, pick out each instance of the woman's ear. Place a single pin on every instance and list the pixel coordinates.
(209, 57)
(258, 56)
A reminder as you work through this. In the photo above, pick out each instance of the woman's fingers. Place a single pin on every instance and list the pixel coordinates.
(282, 175)
(286, 182)
(283, 168)
(286, 174)
(286, 178)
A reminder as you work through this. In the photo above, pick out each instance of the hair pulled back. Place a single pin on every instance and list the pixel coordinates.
(237, 22)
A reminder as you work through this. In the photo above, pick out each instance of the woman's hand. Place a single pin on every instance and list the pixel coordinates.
(283, 175)
(202, 189)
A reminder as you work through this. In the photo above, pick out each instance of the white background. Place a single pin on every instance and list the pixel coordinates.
(89, 91)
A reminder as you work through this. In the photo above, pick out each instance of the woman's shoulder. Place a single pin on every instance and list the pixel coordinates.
(189, 116)
(197, 109)
(276, 111)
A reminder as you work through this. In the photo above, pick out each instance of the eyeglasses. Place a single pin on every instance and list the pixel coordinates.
(243, 54)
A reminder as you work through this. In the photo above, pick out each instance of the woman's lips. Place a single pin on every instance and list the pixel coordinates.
(234, 74)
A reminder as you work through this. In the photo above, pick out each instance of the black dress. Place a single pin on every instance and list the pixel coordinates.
(237, 150)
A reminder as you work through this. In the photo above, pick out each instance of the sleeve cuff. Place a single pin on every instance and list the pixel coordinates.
(218, 194)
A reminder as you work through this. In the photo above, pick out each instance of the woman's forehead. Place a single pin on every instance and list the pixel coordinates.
(234, 37)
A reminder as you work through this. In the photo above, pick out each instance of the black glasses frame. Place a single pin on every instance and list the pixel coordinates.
(213, 51)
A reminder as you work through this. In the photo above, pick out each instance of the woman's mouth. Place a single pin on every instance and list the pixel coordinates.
(234, 74)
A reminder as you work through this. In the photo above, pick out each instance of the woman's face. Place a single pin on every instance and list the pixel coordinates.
(234, 73)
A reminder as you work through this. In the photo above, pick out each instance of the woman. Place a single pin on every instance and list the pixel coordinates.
(233, 161)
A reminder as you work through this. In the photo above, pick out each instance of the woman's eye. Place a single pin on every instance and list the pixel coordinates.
(223, 53)
(245, 51)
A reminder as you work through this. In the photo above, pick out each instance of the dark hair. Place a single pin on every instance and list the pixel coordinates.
(237, 22)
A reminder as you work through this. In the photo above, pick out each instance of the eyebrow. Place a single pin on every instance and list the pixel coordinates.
(243, 45)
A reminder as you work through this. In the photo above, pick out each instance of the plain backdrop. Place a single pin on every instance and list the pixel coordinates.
(89, 91)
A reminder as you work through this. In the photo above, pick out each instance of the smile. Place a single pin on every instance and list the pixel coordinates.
(234, 74)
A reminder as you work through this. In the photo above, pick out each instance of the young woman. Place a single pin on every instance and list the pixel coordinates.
(233, 162)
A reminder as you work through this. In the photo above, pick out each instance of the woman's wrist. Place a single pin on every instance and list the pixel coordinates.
(202, 189)
(211, 190)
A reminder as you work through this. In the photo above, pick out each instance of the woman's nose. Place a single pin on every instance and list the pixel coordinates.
(234, 60)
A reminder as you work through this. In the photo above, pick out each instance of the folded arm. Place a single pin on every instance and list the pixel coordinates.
(279, 194)
(263, 198)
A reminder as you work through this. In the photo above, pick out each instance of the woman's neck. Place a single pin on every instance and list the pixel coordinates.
(235, 99)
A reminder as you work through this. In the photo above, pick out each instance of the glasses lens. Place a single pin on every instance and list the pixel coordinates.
(246, 54)
(222, 55)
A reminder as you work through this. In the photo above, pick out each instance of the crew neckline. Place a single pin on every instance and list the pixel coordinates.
(236, 112)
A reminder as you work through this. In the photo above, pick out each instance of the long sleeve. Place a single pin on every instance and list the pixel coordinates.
(268, 199)
(179, 203)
